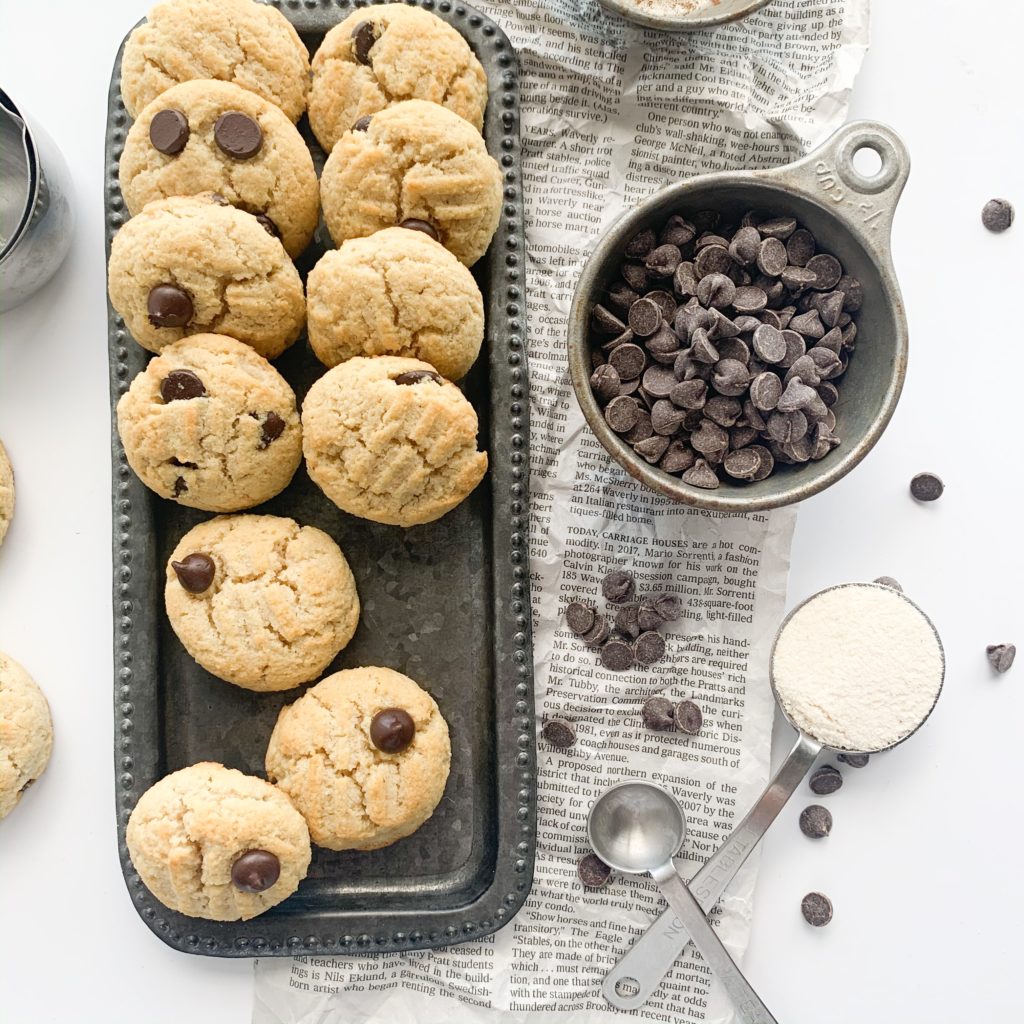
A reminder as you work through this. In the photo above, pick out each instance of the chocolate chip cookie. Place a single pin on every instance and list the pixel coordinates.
(364, 756)
(237, 41)
(211, 424)
(396, 292)
(389, 439)
(195, 265)
(381, 55)
(419, 165)
(6, 493)
(261, 601)
(209, 136)
(26, 733)
(211, 842)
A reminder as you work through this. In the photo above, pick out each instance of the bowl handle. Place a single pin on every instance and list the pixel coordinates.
(828, 176)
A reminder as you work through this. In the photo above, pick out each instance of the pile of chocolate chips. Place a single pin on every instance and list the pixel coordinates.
(718, 346)
(629, 636)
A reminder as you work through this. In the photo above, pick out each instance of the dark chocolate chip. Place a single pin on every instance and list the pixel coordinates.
(195, 572)
(815, 821)
(742, 464)
(255, 871)
(169, 306)
(424, 227)
(579, 617)
(677, 231)
(641, 430)
(617, 655)
(817, 909)
(168, 131)
(769, 344)
(622, 414)
(666, 418)
(663, 261)
(678, 457)
(238, 135)
(723, 411)
(627, 620)
(997, 214)
(392, 730)
(180, 487)
(689, 394)
(659, 713)
(593, 872)
(605, 382)
(273, 428)
(796, 396)
(745, 246)
(685, 280)
(180, 386)
(644, 317)
(854, 760)
(827, 271)
(659, 380)
(598, 633)
(826, 779)
(605, 321)
(765, 391)
(712, 259)
(853, 293)
(618, 586)
(777, 227)
(716, 290)
(800, 247)
(1000, 656)
(730, 378)
(689, 718)
(668, 606)
(650, 648)
(771, 257)
(700, 474)
(621, 297)
(559, 733)
(410, 377)
(362, 124)
(749, 299)
(648, 618)
(364, 35)
(926, 487)
(268, 225)
(652, 448)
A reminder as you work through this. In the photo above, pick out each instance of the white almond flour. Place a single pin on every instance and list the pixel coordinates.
(858, 667)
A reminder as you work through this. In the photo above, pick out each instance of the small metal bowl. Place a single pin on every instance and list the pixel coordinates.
(850, 215)
(725, 11)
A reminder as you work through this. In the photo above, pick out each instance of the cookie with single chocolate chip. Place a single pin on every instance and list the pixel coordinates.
(195, 265)
(364, 755)
(211, 424)
(209, 136)
(211, 842)
(6, 493)
(381, 55)
(26, 733)
(261, 601)
(415, 161)
(249, 44)
(396, 292)
(389, 439)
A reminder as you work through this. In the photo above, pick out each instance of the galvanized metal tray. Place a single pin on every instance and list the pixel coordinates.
(448, 603)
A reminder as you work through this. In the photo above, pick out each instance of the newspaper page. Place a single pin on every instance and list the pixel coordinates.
(610, 113)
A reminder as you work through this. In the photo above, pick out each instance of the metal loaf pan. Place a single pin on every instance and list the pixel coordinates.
(448, 603)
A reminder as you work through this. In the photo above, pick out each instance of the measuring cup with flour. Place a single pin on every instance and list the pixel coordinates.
(856, 668)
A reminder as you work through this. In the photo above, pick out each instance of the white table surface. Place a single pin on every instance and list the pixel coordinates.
(923, 861)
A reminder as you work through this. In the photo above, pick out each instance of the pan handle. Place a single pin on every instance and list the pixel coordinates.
(866, 204)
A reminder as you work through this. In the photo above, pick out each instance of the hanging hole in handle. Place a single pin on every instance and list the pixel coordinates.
(868, 162)
(627, 988)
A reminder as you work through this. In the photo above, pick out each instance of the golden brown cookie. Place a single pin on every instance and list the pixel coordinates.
(211, 842)
(396, 292)
(364, 756)
(389, 439)
(418, 162)
(212, 425)
(260, 601)
(209, 136)
(388, 53)
(237, 41)
(195, 265)
(26, 733)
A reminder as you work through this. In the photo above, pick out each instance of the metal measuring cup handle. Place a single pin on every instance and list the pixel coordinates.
(641, 969)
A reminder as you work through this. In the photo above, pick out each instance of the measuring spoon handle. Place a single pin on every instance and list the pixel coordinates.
(640, 970)
(748, 1005)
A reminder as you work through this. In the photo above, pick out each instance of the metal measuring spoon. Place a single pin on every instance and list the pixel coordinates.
(637, 828)
(642, 967)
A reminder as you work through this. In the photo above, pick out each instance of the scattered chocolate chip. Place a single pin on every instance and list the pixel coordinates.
(180, 487)
(181, 385)
(648, 618)
(364, 35)
(559, 733)
(627, 621)
(854, 760)
(926, 487)
(268, 225)
(255, 871)
(659, 713)
(617, 655)
(668, 606)
(598, 633)
(273, 428)
(997, 214)
(701, 475)
(423, 226)
(195, 572)
(237, 135)
(815, 821)
(168, 131)
(579, 617)
(169, 306)
(593, 872)
(410, 377)
(362, 124)
(688, 717)
(392, 730)
(650, 648)
(618, 586)
(826, 779)
(817, 909)
(622, 414)
(888, 581)
(1000, 656)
